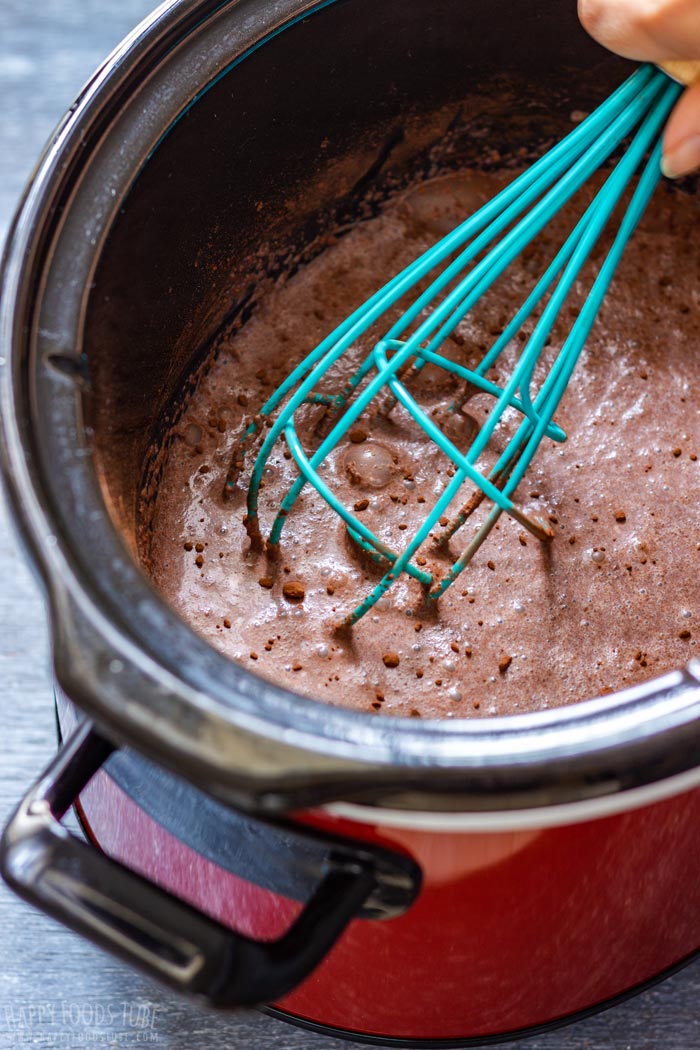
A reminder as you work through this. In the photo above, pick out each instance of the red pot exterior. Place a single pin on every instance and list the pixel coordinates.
(511, 930)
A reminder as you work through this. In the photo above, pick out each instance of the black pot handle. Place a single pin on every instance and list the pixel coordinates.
(149, 927)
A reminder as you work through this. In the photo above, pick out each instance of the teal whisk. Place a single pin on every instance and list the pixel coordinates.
(460, 268)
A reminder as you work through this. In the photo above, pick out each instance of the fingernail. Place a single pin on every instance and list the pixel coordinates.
(683, 158)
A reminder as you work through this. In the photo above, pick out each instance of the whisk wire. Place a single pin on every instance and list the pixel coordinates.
(608, 198)
(337, 342)
(470, 289)
(585, 163)
(476, 253)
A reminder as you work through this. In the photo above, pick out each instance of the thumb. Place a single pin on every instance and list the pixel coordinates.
(681, 142)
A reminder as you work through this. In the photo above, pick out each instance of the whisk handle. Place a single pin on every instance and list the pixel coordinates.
(685, 71)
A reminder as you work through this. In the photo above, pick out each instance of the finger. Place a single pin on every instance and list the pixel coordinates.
(649, 30)
(681, 142)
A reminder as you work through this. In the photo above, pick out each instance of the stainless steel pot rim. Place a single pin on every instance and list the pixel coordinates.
(163, 689)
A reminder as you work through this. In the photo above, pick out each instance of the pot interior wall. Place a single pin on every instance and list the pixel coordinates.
(307, 134)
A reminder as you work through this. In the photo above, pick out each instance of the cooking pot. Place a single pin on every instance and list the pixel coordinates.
(399, 881)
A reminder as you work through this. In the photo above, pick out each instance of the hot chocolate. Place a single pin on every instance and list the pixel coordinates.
(612, 600)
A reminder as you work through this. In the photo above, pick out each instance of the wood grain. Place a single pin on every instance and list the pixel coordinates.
(55, 990)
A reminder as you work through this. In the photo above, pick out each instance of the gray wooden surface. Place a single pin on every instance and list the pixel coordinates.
(56, 991)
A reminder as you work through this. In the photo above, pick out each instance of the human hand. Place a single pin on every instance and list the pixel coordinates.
(656, 31)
